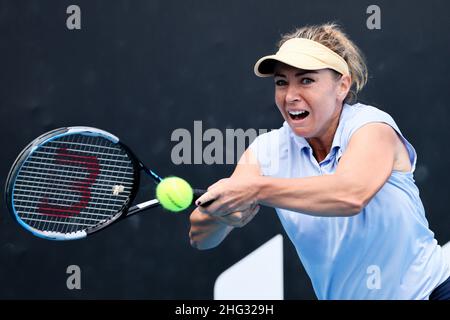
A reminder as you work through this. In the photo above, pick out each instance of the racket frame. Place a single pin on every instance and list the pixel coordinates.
(53, 135)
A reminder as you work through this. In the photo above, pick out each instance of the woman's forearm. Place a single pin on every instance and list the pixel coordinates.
(328, 195)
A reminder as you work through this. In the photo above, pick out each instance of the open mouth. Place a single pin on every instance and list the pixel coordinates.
(298, 115)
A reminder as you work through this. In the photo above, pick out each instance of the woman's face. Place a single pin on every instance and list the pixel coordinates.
(310, 101)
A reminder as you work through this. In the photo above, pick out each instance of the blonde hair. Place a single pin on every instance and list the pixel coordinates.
(333, 37)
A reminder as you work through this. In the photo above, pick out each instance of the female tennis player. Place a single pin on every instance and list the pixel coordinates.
(340, 176)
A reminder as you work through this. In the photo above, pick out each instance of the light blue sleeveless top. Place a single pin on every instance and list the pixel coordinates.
(386, 251)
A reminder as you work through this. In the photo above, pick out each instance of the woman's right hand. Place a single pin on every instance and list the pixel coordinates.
(240, 218)
(208, 231)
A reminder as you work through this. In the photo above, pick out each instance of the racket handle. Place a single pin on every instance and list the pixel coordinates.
(198, 193)
(154, 203)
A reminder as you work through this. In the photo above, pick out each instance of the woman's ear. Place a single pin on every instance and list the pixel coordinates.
(345, 84)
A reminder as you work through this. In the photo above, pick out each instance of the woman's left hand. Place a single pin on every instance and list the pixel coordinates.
(229, 195)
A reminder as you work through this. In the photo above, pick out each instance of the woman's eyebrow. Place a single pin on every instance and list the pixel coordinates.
(300, 73)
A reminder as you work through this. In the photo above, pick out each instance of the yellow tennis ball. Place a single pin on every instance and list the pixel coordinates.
(174, 194)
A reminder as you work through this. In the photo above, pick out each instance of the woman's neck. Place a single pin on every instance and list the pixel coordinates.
(321, 145)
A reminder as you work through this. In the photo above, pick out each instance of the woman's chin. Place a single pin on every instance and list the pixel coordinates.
(299, 130)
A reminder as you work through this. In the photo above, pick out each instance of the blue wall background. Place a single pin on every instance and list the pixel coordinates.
(141, 69)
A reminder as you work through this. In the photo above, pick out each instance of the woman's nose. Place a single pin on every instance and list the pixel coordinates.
(292, 94)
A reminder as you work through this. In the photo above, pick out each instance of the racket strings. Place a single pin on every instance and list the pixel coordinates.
(73, 183)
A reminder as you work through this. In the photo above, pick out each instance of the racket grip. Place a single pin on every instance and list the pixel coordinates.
(198, 193)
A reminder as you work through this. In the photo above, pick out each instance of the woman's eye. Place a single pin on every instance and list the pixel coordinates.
(307, 81)
(280, 82)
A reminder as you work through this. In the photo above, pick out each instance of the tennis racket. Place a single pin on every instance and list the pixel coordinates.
(71, 182)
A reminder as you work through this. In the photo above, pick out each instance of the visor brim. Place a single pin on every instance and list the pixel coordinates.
(265, 66)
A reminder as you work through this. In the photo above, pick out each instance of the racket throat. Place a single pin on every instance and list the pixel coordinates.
(142, 206)
(155, 177)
